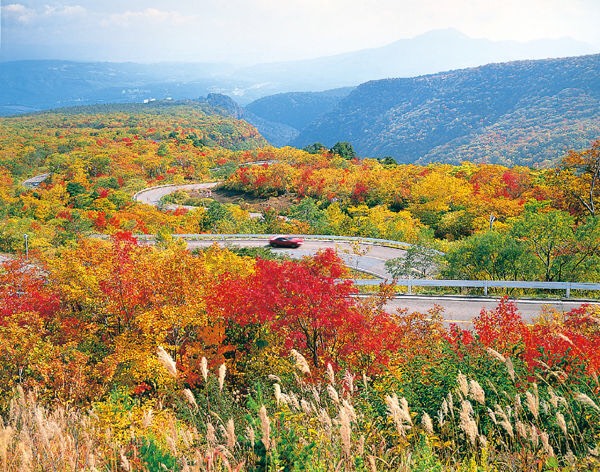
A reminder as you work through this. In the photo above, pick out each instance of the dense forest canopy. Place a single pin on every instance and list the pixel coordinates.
(122, 356)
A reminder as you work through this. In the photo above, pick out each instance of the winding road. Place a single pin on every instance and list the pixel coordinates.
(370, 258)
(152, 195)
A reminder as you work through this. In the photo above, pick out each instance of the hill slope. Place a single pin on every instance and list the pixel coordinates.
(524, 112)
(35, 85)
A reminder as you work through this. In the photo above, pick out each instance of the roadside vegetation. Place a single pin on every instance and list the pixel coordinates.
(117, 355)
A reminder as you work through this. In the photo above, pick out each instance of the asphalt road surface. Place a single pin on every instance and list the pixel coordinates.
(462, 310)
(371, 259)
(363, 257)
(152, 196)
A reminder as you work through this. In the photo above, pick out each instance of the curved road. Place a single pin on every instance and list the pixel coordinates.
(152, 195)
(371, 259)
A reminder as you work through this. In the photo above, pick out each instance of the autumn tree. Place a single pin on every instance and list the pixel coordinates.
(420, 262)
(301, 301)
(490, 256)
(579, 173)
(343, 149)
(560, 247)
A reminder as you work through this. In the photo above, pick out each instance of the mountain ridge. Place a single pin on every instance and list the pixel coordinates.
(408, 118)
(43, 84)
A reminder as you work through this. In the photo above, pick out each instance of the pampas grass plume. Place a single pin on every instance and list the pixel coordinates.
(265, 426)
(301, 363)
(167, 361)
(204, 368)
(222, 371)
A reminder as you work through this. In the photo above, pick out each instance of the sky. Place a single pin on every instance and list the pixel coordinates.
(253, 31)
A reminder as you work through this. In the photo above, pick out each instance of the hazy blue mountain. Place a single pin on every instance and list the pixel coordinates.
(34, 85)
(38, 85)
(428, 53)
(526, 112)
(281, 117)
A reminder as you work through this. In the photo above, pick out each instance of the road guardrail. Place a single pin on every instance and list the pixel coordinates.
(485, 284)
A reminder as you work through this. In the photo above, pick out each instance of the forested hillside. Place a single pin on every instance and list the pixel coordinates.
(119, 355)
(526, 112)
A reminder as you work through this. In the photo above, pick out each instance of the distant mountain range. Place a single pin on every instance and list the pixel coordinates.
(428, 53)
(36, 85)
(523, 112)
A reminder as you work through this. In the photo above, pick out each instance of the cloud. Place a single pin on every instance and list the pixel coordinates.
(149, 15)
(17, 12)
(66, 10)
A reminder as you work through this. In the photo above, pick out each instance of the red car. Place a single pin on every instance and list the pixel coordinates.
(285, 241)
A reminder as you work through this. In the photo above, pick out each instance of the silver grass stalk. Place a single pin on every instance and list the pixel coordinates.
(204, 368)
(230, 434)
(277, 391)
(124, 461)
(445, 407)
(349, 380)
(476, 392)
(427, 423)
(533, 404)
(360, 447)
(301, 363)
(349, 409)
(316, 395)
(565, 338)
(189, 396)
(553, 397)
(333, 394)
(450, 403)
(400, 414)
(510, 368)
(546, 443)
(585, 400)
(167, 361)
(222, 372)
(441, 420)
(345, 431)
(560, 421)
(495, 354)
(492, 416)
(521, 429)
(504, 421)
(211, 437)
(265, 426)
(467, 423)
(325, 420)
(251, 435)
(330, 374)
(147, 418)
(293, 400)
(534, 436)
(518, 404)
(463, 384)
(306, 407)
